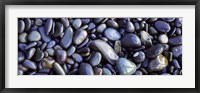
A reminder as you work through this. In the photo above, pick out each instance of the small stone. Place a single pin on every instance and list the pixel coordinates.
(112, 34)
(175, 40)
(139, 57)
(177, 51)
(163, 38)
(86, 69)
(78, 58)
(23, 37)
(158, 63)
(66, 40)
(61, 56)
(21, 26)
(79, 36)
(34, 36)
(30, 53)
(51, 44)
(95, 59)
(45, 38)
(154, 51)
(131, 40)
(71, 51)
(58, 69)
(48, 25)
(77, 23)
(101, 28)
(98, 71)
(30, 64)
(38, 55)
(162, 26)
(106, 71)
(21, 56)
(130, 27)
(125, 67)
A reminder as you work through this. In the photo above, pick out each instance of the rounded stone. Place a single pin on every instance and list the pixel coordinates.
(61, 56)
(38, 22)
(21, 26)
(77, 23)
(95, 59)
(154, 51)
(47, 62)
(158, 63)
(101, 28)
(163, 38)
(162, 26)
(77, 57)
(48, 25)
(71, 50)
(98, 71)
(51, 44)
(66, 40)
(125, 67)
(175, 40)
(30, 64)
(30, 53)
(23, 37)
(86, 69)
(131, 40)
(130, 27)
(79, 36)
(139, 57)
(34, 36)
(106, 71)
(177, 51)
(21, 56)
(58, 69)
(112, 34)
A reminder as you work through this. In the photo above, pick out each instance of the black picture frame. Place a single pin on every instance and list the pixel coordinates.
(3, 3)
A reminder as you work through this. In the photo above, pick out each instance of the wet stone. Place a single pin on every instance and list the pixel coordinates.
(45, 38)
(48, 25)
(51, 44)
(79, 36)
(105, 49)
(86, 69)
(61, 56)
(95, 59)
(71, 51)
(34, 36)
(154, 51)
(23, 37)
(30, 64)
(131, 40)
(175, 40)
(177, 51)
(125, 66)
(112, 34)
(21, 26)
(77, 23)
(30, 53)
(58, 69)
(130, 27)
(139, 57)
(66, 40)
(158, 63)
(21, 56)
(38, 55)
(58, 30)
(162, 26)
(77, 57)
(101, 28)
(106, 71)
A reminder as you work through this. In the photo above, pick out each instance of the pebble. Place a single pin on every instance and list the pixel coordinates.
(47, 62)
(30, 53)
(112, 34)
(45, 38)
(79, 36)
(58, 68)
(95, 59)
(27, 24)
(86, 69)
(176, 64)
(131, 40)
(34, 36)
(101, 28)
(30, 45)
(106, 71)
(98, 71)
(152, 31)
(70, 61)
(48, 25)
(162, 26)
(112, 23)
(175, 40)
(105, 49)
(61, 56)
(71, 51)
(65, 22)
(146, 39)
(38, 55)
(177, 51)
(66, 40)
(125, 67)
(38, 22)
(21, 26)
(77, 23)
(30, 64)
(91, 26)
(51, 44)
(58, 30)
(23, 37)
(130, 27)
(138, 72)
(154, 51)
(77, 57)
(158, 63)
(139, 57)
(163, 38)
(21, 56)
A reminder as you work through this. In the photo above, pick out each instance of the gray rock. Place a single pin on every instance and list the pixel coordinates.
(95, 59)
(66, 40)
(77, 23)
(112, 34)
(175, 40)
(34, 36)
(30, 53)
(77, 57)
(30, 64)
(131, 40)
(158, 63)
(106, 71)
(125, 67)
(154, 51)
(79, 36)
(58, 69)
(23, 37)
(177, 51)
(86, 69)
(61, 56)
(21, 26)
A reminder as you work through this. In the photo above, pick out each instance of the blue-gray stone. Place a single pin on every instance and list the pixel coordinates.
(95, 59)
(71, 51)
(34, 36)
(77, 57)
(51, 44)
(77, 23)
(30, 64)
(66, 40)
(61, 56)
(21, 56)
(162, 26)
(177, 51)
(79, 36)
(21, 26)
(86, 69)
(175, 40)
(125, 67)
(112, 34)
(45, 38)
(58, 69)
(101, 28)
(131, 40)
(48, 25)
(106, 71)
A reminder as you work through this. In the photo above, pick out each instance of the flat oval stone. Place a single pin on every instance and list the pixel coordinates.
(130, 27)
(77, 23)
(43, 46)
(146, 38)
(45, 38)
(30, 53)
(163, 38)
(105, 49)
(58, 30)
(38, 55)
(48, 25)
(21, 56)
(65, 22)
(152, 31)
(79, 36)
(30, 45)
(91, 26)
(158, 63)
(168, 19)
(177, 51)
(34, 36)
(58, 69)
(97, 20)
(112, 34)
(106, 71)
(95, 59)
(86, 69)
(175, 40)
(27, 24)
(131, 40)
(154, 51)
(85, 20)
(23, 37)
(176, 64)
(61, 56)
(84, 43)
(125, 67)
(101, 28)
(30, 64)
(66, 40)
(47, 62)
(162, 26)
(71, 51)
(22, 47)
(78, 58)
(21, 26)
(112, 23)
(70, 61)
(51, 44)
